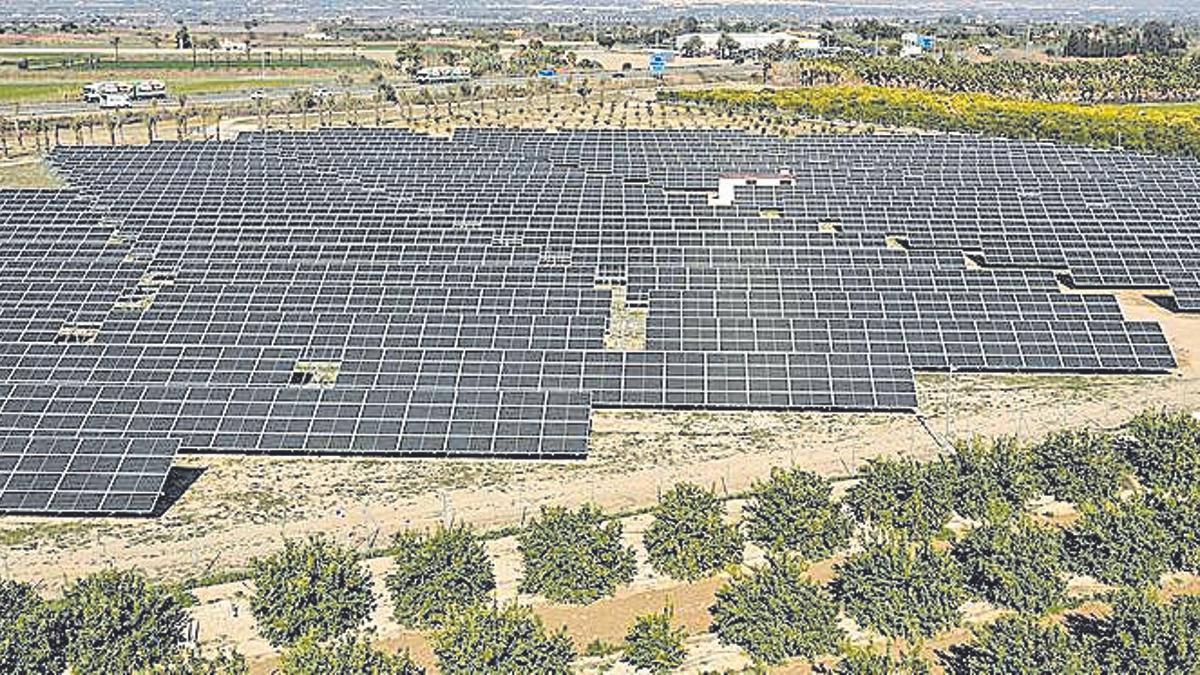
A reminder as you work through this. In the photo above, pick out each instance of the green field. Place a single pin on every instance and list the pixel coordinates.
(268, 59)
(44, 90)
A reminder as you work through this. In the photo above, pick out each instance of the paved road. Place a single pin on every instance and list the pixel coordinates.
(282, 93)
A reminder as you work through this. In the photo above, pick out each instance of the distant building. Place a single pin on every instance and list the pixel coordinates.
(914, 44)
(319, 37)
(751, 42)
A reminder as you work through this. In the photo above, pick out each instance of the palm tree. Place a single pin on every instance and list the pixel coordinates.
(116, 45)
(111, 122)
(17, 125)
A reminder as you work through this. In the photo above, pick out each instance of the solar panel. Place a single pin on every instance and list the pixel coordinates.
(379, 291)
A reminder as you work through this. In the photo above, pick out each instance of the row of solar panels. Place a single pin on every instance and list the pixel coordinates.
(386, 292)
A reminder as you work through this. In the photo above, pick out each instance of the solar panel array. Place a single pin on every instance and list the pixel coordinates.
(386, 292)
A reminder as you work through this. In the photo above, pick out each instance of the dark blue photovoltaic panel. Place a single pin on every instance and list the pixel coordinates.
(383, 292)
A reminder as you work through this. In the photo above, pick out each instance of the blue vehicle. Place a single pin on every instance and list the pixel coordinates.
(547, 72)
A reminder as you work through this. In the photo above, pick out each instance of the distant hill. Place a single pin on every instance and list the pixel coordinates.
(598, 11)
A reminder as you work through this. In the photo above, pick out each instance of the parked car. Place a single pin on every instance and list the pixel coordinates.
(115, 101)
(150, 89)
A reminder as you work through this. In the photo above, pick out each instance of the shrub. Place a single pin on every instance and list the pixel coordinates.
(1164, 449)
(118, 622)
(907, 496)
(600, 648)
(349, 654)
(689, 538)
(32, 636)
(776, 613)
(858, 661)
(489, 639)
(1145, 635)
(1167, 131)
(990, 474)
(314, 587)
(793, 510)
(1119, 542)
(436, 575)
(1017, 564)
(1017, 645)
(1179, 515)
(1078, 466)
(901, 589)
(574, 556)
(653, 644)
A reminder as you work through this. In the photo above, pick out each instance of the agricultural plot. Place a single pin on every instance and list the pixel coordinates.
(382, 292)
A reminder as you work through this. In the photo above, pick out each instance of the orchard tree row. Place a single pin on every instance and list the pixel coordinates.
(911, 542)
(1149, 79)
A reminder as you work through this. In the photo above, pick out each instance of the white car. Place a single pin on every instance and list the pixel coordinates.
(257, 95)
(115, 101)
(150, 89)
(322, 92)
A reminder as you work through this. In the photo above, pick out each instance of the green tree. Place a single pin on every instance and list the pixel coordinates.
(1119, 542)
(1179, 514)
(410, 57)
(312, 587)
(693, 47)
(901, 590)
(989, 474)
(350, 654)
(727, 47)
(1018, 645)
(913, 498)
(118, 622)
(1018, 564)
(574, 556)
(776, 612)
(654, 644)
(689, 537)
(1079, 465)
(1164, 448)
(793, 510)
(511, 639)
(32, 636)
(436, 575)
(1144, 635)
